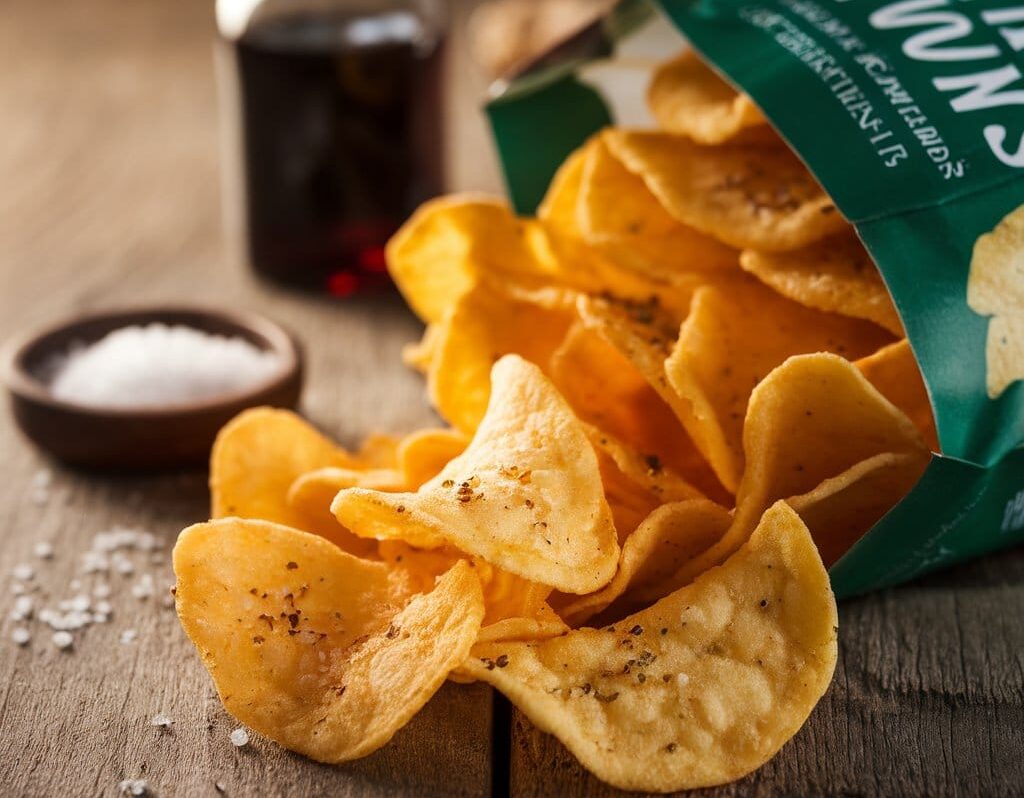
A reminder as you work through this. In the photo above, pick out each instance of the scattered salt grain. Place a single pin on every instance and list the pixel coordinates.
(43, 550)
(103, 607)
(41, 481)
(122, 564)
(22, 608)
(133, 787)
(75, 584)
(23, 572)
(239, 737)
(101, 590)
(128, 636)
(20, 635)
(682, 679)
(17, 588)
(144, 588)
(62, 640)
(161, 720)
(158, 366)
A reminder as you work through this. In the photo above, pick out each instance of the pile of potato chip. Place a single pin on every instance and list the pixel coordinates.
(675, 396)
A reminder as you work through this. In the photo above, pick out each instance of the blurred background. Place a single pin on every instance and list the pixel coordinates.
(137, 134)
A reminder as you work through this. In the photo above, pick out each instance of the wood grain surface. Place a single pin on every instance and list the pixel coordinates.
(109, 196)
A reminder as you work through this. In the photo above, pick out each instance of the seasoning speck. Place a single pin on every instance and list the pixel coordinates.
(239, 737)
(291, 566)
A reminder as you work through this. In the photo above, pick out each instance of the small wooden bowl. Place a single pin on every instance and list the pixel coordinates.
(140, 437)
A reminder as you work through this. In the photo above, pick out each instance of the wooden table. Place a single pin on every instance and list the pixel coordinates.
(108, 196)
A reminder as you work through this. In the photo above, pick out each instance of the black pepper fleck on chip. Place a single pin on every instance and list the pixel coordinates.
(291, 566)
(637, 630)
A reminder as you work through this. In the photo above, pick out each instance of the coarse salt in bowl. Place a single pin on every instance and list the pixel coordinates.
(147, 388)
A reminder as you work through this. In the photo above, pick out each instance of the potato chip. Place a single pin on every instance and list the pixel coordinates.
(420, 354)
(841, 509)
(835, 274)
(606, 390)
(1004, 353)
(750, 197)
(424, 453)
(321, 651)
(255, 460)
(559, 244)
(618, 216)
(487, 322)
(732, 338)
(895, 373)
(544, 624)
(672, 535)
(313, 492)
(700, 688)
(687, 97)
(526, 495)
(440, 252)
(995, 287)
(810, 420)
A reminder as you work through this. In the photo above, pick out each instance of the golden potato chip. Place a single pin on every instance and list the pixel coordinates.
(440, 252)
(687, 97)
(257, 457)
(672, 535)
(894, 372)
(606, 390)
(544, 624)
(420, 354)
(487, 322)
(835, 274)
(378, 450)
(321, 651)
(313, 492)
(810, 420)
(558, 243)
(618, 216)
(750, 197)
(509, 596)
(424, 453)
(700, 688)
(841, 509)
(526, 495)
(732, 338)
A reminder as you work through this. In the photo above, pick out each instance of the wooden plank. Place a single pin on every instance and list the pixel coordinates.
(109, 196)
(927, 700)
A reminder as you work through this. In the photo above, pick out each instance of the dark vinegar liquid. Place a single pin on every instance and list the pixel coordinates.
(340, 124)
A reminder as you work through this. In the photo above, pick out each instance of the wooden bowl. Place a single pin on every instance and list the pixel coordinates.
(140, 437)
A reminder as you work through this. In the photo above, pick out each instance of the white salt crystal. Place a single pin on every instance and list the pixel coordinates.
(22, 608)
(128, 636)
(101, 590)
(42, 478)
(62, 639)
(161, 720)
(23, 572)
(17, 588)
(20, 635)
(239, 737)
(103, 607)
(159, 366)
(122, 564)
(144, 588)
(134, 787)
(75, 584)
(43, 550)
